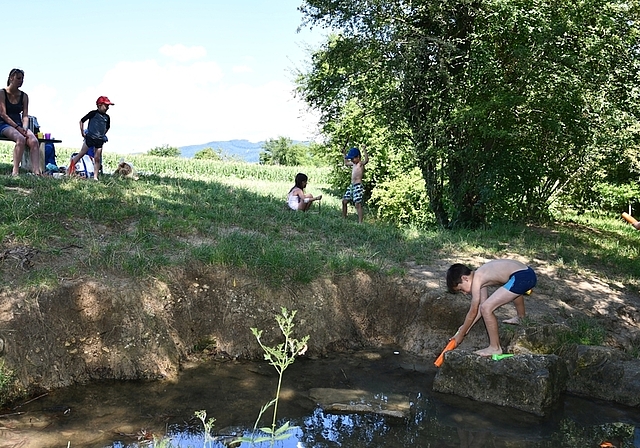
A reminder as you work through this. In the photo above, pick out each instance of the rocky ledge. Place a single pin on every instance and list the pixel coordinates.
(535, 383)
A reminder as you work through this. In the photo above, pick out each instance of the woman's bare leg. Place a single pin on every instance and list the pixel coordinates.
(34, 151)
(18, 149)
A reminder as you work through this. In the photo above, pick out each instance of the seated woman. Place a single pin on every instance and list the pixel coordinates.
(297, 199)
(13, 102)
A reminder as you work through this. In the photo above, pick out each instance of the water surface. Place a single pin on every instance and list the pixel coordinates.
(126, 414)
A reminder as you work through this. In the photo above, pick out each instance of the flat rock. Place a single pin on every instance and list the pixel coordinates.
(361, 402)
(531, 383)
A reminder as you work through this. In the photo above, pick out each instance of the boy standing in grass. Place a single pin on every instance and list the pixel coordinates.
(514, 278)
(355, 191)
(95, 136)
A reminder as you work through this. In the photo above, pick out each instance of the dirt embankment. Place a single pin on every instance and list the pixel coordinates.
(117, 328)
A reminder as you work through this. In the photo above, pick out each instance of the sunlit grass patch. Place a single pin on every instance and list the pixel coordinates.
(181, 210)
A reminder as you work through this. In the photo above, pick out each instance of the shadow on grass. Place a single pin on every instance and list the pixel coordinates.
(140, 227)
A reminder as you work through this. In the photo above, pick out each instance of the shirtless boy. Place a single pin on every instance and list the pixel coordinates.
(514, 279)
(355, 191)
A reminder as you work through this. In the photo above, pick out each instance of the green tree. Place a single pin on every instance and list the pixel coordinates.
(209, 154)
(507, 105)
(282, 151)
(165, 151)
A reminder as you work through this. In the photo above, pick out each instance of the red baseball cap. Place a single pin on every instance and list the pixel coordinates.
(104, 100)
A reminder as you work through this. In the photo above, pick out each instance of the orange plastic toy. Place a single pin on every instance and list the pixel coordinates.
(450, 346)
(630, 219)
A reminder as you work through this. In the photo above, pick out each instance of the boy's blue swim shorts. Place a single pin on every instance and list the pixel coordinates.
(521, 281)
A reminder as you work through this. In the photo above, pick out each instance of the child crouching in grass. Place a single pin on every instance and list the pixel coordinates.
(297, 199)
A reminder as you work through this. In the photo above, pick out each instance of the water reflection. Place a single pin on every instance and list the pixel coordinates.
(127, 415)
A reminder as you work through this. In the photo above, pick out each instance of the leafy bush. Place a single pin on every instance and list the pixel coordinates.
(209, 154)
(403, 200)
(282, 151)
(165, 151)
(604, 196)
(617, 198)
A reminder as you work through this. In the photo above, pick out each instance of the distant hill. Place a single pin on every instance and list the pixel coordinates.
(244, 149)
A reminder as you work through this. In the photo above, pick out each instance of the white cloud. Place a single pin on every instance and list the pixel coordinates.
(242, 69)
(183, 54)
(179, 104)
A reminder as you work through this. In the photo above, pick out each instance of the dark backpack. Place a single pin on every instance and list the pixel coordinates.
(49, 154)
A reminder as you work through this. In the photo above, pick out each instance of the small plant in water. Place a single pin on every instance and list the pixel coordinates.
(280, 357)
(208, 425)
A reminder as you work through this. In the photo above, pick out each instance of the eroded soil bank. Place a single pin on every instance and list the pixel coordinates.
(116, 328)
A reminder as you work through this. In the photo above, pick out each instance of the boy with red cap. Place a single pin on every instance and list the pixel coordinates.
(95, 135)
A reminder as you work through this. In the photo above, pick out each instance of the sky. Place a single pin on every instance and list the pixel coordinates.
(179, 72)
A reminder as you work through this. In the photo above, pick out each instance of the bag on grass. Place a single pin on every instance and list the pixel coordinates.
(50, 165)
(84, 166)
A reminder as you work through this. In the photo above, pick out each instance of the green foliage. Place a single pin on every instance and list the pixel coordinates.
(165, 151)
(504, 106)
(6, 381)
(580, 331)
(280, 357)
(282, 151)
(403, 200)
(609, 197)
(209, 154)
(207, 426)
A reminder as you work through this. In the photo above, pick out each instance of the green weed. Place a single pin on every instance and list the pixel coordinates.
(280, 357)
(6, 381)
(581, 331)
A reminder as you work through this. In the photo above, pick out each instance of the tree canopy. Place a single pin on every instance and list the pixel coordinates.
(283, 151)
(209, 153)
(504, 106)
(165, 151)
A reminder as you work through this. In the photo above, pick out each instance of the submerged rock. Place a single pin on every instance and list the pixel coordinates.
(531, 383)
(355, 401)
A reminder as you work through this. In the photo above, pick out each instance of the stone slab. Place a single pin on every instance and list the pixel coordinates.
(361, 402)
(531, 383)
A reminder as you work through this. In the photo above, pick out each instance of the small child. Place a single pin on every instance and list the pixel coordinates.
(95, 136)
(297, 199)
(355, 191)
(515, 279)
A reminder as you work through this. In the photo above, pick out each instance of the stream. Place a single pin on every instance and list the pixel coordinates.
(120, 414)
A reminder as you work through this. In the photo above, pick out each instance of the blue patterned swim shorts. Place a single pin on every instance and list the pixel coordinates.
(354, 193)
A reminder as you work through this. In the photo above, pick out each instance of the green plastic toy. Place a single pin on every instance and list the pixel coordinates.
(503, 356)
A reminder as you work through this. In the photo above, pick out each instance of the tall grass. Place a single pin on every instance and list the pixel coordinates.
(185, 211)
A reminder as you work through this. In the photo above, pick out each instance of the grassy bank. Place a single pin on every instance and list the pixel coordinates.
(183, 211)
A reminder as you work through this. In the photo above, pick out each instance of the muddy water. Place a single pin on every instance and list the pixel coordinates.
(125, 414)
